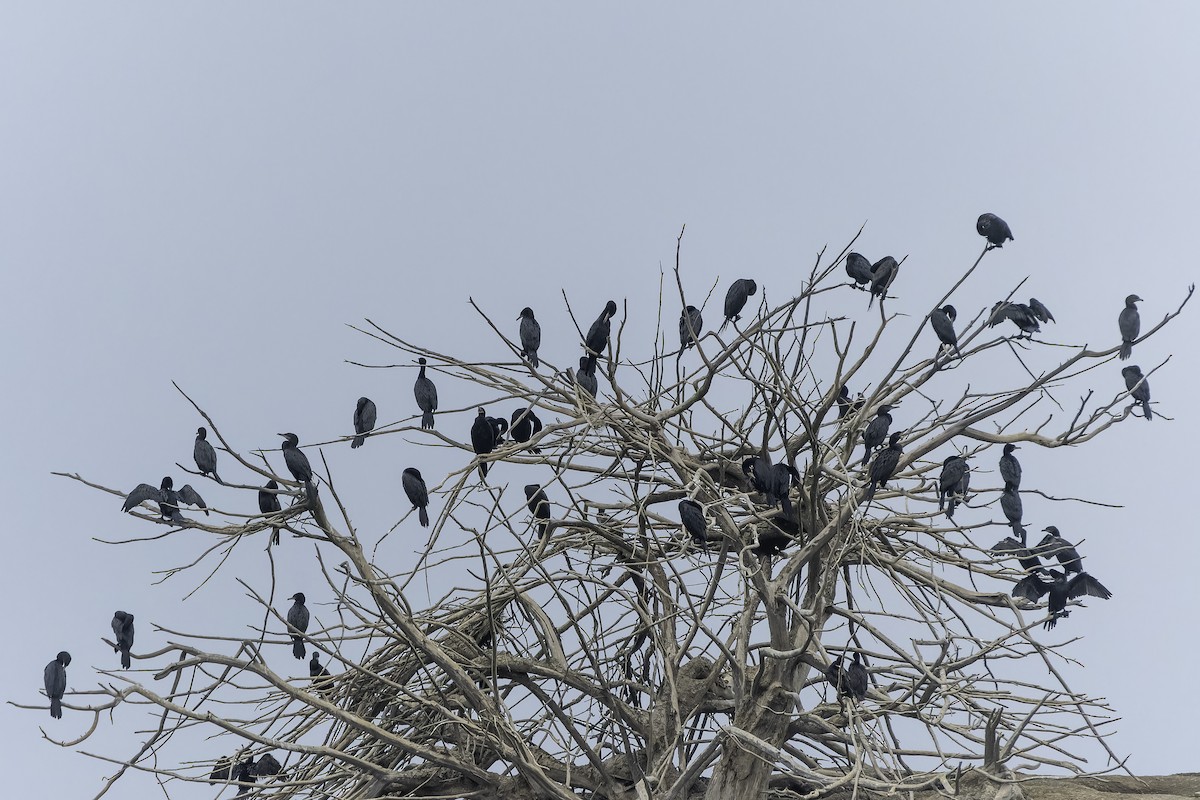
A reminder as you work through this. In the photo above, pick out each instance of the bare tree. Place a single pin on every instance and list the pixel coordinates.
(604, 652)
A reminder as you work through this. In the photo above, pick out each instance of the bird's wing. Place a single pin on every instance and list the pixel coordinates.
(190, 496)
(1031, 587)
(1006, 545)
(1084, 584)
(297, 617)
(140, 494)
(369, 414)
(1040, 311)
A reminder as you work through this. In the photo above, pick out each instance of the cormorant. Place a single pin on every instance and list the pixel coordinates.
(780, 486)
(55, 678)
(735, 299)
(876, 432)
(525, 425)
(205, 455)
(758, 471)
(1010, 504)
(294, 458)
(692, 516)
(859, 269)
(836, 675)
(500, 427)
(1061, 590)
(418, 494)
(1053, 545)
(531, 336)
(954, 472)
(243, 773)
(267, 764)
(586, 376)
(1029, 586)
(597, 335)
(882, 274)
(856, 678)
(884, 465)
(426, 394)
(1139, 388)
(222, 769)
(1130, 323)
(364, 421)
(483, 439)
(122, 626)
(1040, 311)
(942, 321)
(1019, 314)
(297, 619)
(1010, 468)
(315, 669)
(539, 505)
(995, 229)
(691, 325)
(268, 503)
(167, 498)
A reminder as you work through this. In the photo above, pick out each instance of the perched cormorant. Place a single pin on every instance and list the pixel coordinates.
(315, 669)
(525, 426)
(205, 455)
(876, 432)
(243, 773)
(418, 494)
(1061, 590)
(691, 325)
(836, 675)
(167, 498)
(221, 770)
(294, 458)
(267, 764)
(1130, 323)
(1019, 314)
(758, 471)
(364, 421)
(597, 335)
(954, 472)
(297, 619)
(268, 503)
(531, 336)
(859, 269)
(500, 427)
(586, 376)
(426, 394)
(692, 516)
(55, 678)
(884, 465)
(735, 299)
(1010, 504)
(942, 321)
(1053, 545)
(995, 229)
(122, 626)
(856, 678)
(882, 274)
(1040, 311)
(780, 486)
(539, 505)
(1010, 468)
(1139, 388)
(483, 439)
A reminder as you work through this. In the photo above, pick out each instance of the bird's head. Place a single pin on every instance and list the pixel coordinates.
(950, 312)
(610, 308)
(1008, 448)
(167, 483)
(1050, 529)
(289, 439)
(201, 432)
(751, 286)
(526, 313)
(298, 597)
(63, 658)
(1131, 299)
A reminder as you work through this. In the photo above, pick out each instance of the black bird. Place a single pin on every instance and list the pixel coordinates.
(55, 678)
(856, 679)
(426, 394)
(1010, 468)
(1130, 323)
(586, 376)
(597, 335)
(1030, 585)
(294, 458)
(166, 497)
(758, 470)
(780, 486)
(483, 439)
(735, 299)
(1010, 504)
(122, 626)
(1139, 388)
(243, 773)
(222, 769)
(531, 336)
(692, 516)
(315, 669)
(267, 764)
(1061, 590)
(268, 503)
(995, 229)
(859, 269)
(845, 404)
(1019, 314)
(1053, 545)
(418, 494)
(525, 425)
(205, 455)
(1040, 311)
(876, 432)
(836, 675)
(297, 619)
(882, 274)
(942, 321)
(884, 465)
(779, 534)
(691, 325)
(954, 472)
(500, 427)
(364, 421)
(539, 505)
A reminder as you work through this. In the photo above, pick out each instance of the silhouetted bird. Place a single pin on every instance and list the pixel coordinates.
(856, 679)
(1010, 468)
(586, 376)
(1030, 585)
(222, 769)
(539, 505)
(758, 470)
(483, 439)
(364, 421)
(1040, 311)
(876, 432)
(942, 321)
(735, 299)
(243, 773)
(954, 471)
(294, 458)
(1139, 388)
(525, 426)
(884, 466)
(268, 503)
(426, 394)
(883, 273)
(995, 229)
(1019, 314)
(859, 270)
(780, 486)
(267, 765)
(297, 619)
(691, 514)
(315, 669)
(1053, 545)
(1010, 504)
(777, 535)
(1061, 590)
(597, 335)
(418, 494)
(499, 427)
(691, 325)
(845, 404)
(122, 626)
(55, 678)
(166, 497)
(836, 675)
(1130, 323)
(531, 336)
(205, 455)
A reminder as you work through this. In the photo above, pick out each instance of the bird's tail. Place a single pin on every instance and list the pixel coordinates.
(298, 646)
(55, 708)
(427, 420)
(950, 509)
(723, 324)
(274, 535)
(483, 471)
(1126, 349)
(942, 501)
(424, 515)
(1146, 412)
(125, 659)
(533, 359)
(870, 492)
(358, 441)
(866, 456)
(785, 502)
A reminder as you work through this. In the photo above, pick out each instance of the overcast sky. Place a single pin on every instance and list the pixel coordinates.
(210, 193)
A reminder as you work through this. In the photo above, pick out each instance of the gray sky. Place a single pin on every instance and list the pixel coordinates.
(209, 194)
